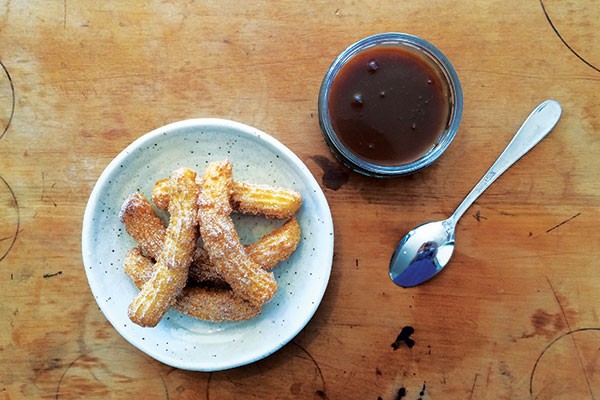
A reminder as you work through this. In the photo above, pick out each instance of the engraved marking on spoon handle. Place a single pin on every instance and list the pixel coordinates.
(539, 123)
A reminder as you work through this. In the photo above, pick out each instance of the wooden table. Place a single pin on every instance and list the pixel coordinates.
(514, 316)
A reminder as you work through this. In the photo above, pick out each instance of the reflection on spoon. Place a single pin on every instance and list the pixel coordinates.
(426, 249)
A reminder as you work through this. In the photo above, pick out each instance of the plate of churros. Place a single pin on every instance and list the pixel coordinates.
(207, 244)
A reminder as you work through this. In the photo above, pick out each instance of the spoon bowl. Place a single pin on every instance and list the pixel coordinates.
(427, 249)
(424, 251)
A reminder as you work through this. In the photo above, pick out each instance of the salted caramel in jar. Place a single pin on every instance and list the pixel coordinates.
(389, 105)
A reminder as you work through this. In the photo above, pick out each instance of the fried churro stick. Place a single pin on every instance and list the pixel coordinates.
(272, 248)
(161, 194)
(142, 223)
(249, 198)
(138, 267)
(276, 245)
(252, 198)
(210, 304)
(217, 305)
(172, 265)
(221, 240)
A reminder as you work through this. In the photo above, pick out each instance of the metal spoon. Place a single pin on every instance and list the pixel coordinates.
(426, 250)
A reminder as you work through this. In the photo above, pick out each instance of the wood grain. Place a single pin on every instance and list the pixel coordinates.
(515, 315)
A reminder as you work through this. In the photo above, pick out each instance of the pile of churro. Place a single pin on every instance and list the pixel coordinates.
(196, 263)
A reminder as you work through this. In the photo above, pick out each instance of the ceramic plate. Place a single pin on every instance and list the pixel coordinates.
(178, 340)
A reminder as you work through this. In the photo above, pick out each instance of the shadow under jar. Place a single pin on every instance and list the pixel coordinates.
(389, 105)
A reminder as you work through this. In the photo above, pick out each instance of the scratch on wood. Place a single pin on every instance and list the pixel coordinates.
(52, 275)
(44, 195)
(348, 324)
(478, 216)
(489, 372)
(6, 13)
(559, 303)
(12, 109)
(18, 224)
(62, 377)
(548, 346)
(564, 222)
(577, 352)
(586, 62)
(322, 393)
(165, 387)
(210, 374)
(43, 187)
(473, 386)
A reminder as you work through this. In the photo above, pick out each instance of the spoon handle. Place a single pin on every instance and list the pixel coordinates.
(539, 123)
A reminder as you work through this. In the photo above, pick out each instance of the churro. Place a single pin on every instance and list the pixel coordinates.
(161, 194)
(221, 240)
(246, 197)
(217, 305)
(210, 304)
(276, 245)
(273, 202)
(172, 265)
(142, 223)
(267, 252)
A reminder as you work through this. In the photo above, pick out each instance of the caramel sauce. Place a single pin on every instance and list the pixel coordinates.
(389, 105)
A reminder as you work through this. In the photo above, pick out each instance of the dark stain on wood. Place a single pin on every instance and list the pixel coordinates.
(404, 337)
(334, 174)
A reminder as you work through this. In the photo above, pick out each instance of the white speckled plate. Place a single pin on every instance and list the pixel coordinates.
(178, 340)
